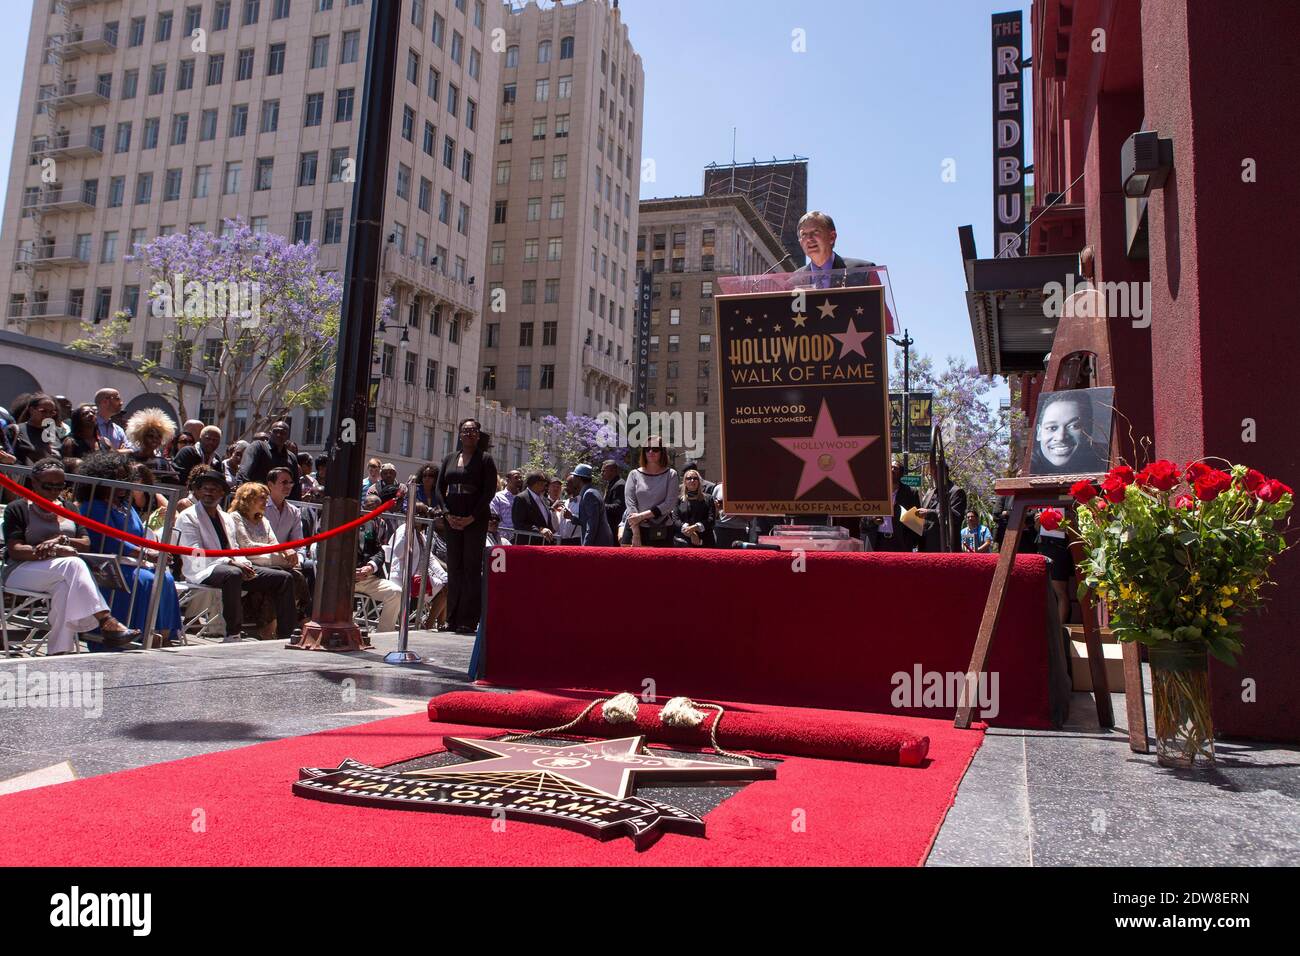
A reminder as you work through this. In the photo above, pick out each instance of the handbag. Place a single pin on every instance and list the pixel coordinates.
(655, 533)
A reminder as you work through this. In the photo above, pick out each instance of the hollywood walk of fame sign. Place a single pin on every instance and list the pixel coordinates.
(805, 402)
(587, 786)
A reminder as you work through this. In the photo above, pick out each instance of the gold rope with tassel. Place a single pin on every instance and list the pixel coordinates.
(619, 709)
(682, 712)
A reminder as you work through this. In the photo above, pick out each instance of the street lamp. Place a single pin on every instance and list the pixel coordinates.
(905, 343)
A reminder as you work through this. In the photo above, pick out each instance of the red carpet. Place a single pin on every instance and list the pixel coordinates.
(756, 728)
(852, 813)
(744, 625)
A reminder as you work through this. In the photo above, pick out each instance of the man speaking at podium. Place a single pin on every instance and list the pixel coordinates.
(817, 239)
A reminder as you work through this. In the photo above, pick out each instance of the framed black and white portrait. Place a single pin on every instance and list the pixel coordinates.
(1071, 433)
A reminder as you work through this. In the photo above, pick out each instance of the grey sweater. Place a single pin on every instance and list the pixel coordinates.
(647, 492)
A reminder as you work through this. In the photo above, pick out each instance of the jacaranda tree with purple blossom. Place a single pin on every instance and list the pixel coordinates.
(572, 440)
(254, 307)
(975, 438)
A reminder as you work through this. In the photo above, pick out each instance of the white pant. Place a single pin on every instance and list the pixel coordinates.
(387, 595)
(74, 599)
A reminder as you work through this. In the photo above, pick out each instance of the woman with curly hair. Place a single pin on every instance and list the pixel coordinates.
(149, 431)
(253, 530)
(112, 506)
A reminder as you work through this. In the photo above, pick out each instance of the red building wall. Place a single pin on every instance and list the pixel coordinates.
(1225, 341)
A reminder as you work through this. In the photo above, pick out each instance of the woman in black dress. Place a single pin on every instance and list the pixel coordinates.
(466, 483)
(694, 516)
(29, 438)
(84, 439)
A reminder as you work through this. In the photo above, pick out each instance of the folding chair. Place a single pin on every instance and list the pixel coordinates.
(198, 621)
(30, 611)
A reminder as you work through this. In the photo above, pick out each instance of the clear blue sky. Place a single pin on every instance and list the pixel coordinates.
(886, 91)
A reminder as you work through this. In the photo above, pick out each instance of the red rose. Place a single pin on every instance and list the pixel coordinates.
(1083, 491)
(1185, 501)
(1159, 474)
(1254, 480)
(1210, 486)
(1121, 473)
(1050, 519)
(1273, 490)
(1195, 471)
(1114, 488)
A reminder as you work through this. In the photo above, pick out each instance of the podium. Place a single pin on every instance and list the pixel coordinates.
(804, 397)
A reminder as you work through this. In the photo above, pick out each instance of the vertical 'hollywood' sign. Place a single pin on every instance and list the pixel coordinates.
(1008, 138)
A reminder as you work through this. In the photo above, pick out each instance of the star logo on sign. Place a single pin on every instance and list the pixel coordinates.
(799, 320)
(749, 320)
(827, 309)
(606, 767)
(776, 328)
(860, 311)
(851, 340)
(826, 454)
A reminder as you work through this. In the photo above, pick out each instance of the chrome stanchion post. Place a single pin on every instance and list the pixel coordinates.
(402, 655)
(159, 573)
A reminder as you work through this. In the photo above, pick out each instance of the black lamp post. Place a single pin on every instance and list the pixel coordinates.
(333, 627)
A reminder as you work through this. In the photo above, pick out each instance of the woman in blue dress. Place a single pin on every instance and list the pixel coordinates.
(112, 507)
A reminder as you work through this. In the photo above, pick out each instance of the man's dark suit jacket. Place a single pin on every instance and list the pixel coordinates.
(956, 505)
(839, 262)
(615, 504)
(905, 539)
(593, 520)
(527, 516)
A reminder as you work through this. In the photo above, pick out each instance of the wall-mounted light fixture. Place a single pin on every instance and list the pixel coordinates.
(1146, 160)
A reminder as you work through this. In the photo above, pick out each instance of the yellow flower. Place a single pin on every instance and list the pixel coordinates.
(1195, 576)
(1220, 620)
(1226, 602)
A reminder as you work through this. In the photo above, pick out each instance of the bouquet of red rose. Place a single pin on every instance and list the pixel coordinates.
(1178, 556)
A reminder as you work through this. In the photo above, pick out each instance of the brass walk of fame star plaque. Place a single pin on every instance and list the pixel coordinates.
(586, 786)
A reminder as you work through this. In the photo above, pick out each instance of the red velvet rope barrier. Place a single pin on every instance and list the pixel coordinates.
(9, 483)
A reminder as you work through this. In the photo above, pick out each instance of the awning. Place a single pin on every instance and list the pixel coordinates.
(1007, 303)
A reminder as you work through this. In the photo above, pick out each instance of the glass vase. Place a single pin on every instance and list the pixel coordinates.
(1180, 688)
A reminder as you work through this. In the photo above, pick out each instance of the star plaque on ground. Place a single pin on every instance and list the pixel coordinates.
(587, 786)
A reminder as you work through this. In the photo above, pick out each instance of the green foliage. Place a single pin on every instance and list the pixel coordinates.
(1174, 567)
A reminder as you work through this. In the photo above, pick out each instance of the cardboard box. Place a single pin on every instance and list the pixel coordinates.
(1082, 677)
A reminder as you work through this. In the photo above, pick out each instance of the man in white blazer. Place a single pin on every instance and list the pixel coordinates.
(207, 527)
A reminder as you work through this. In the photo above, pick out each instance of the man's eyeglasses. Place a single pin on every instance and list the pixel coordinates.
(51, 486)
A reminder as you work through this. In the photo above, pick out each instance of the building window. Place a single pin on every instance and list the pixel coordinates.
(333, 227)
(499, 212)
(552, 291)
(450, 379)
(566, 48)
(526, 335)
(313, 112)
(216, 67)
(252, 10)
(448, 152)
(172, 185)
(231, 181)
(270, 116)
(306, 169)
(180, 129)
(550, 333)
(524, 378)
(207, 125)
(343, 105)
(431, 374)
(338, 159)
(320, 52)
(350, 48)
(554, 249)
(535, 209)
(244, 65)
(547, 381)
(185, 75)
(163, 28)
